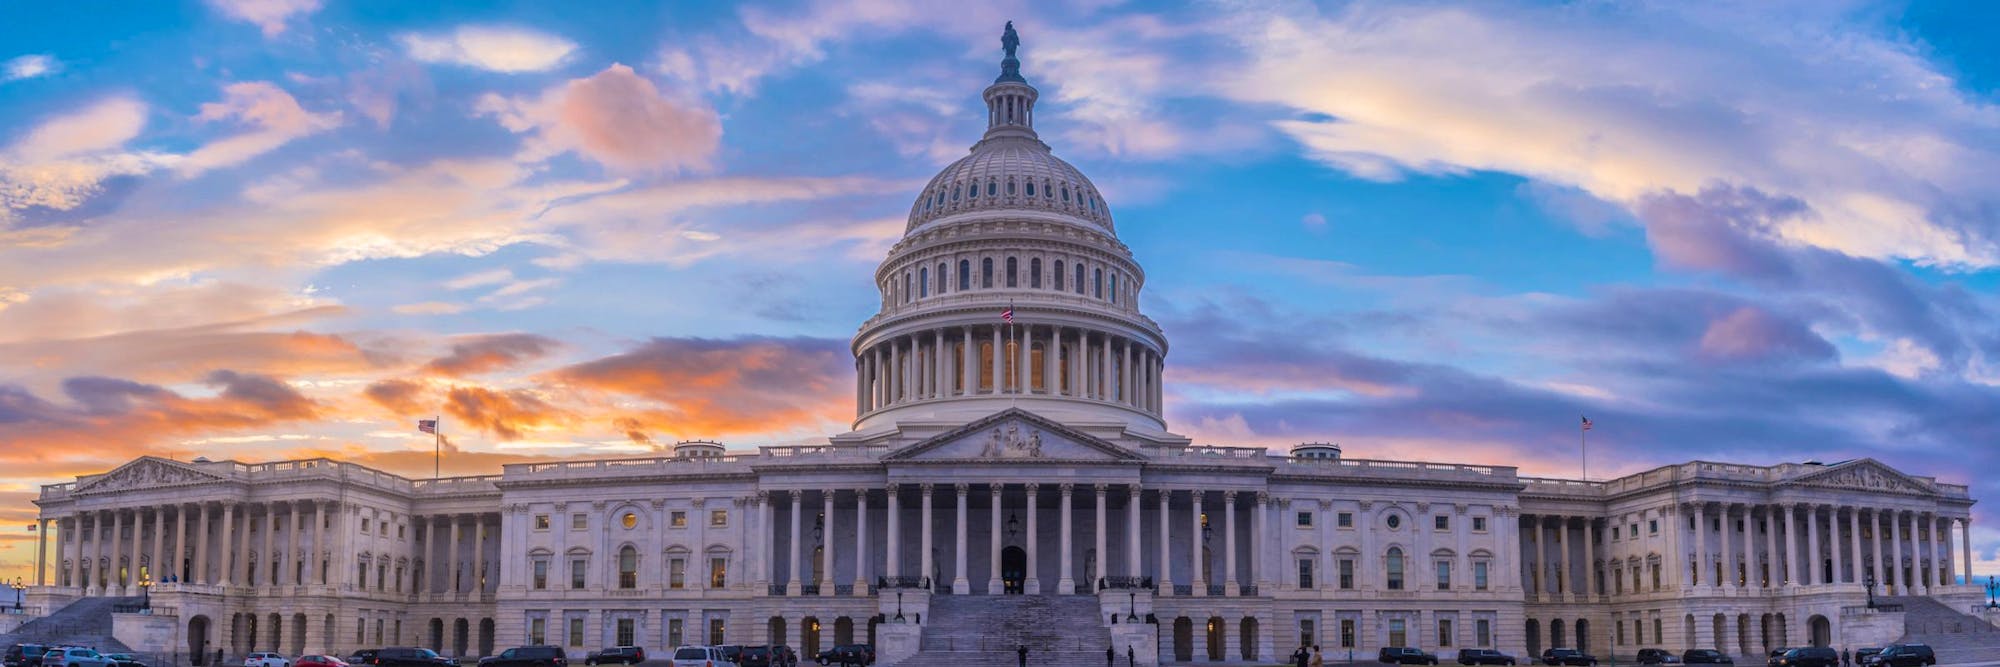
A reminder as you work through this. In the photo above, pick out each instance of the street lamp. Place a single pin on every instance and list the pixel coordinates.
(1869, 581)
(899, 605)
(146, 591)
(1132, 611)
(1992, 593)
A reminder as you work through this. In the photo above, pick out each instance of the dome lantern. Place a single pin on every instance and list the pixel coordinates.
(1010, 101)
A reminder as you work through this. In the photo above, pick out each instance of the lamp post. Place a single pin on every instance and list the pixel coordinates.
(1869, 581)
(20, 591)
(1992, 593)
(899, 605)
(146, 591)
(1132, 610)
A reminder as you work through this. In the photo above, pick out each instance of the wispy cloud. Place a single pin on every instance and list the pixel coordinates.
(495, 48)
(29, 66)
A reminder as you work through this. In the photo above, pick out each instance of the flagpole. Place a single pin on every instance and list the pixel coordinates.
(437, 445)
(1583, 446)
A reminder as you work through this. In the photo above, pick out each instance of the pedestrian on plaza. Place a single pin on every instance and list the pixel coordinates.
(1131, 657)
(1110, 657)
(1846, 658)
(1300, 657)
(1022, 652)
(1318, 660)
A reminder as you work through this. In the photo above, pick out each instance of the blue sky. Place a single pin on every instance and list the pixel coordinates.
(1423, 230)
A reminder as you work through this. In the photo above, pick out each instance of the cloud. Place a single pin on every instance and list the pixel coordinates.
(495, 48)
(507, 414)
(29, 67)
(270, 118)
(614, 117)
(488, 353)
(427, 308)
(696, 387)
(111, 418)
(268, 15)
(64, 160)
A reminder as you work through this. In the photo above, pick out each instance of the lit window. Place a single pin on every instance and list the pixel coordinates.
(677, 573)
(541, 574)
(718, 518)
(628, 568)
(718, 572)
(678, 519)
(541, 522)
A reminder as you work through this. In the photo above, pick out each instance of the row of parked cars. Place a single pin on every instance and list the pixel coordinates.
(1893, 655)
(37, 655)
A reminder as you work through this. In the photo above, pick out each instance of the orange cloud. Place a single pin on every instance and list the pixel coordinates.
(485, 354)
(505, 414)
(714, 387)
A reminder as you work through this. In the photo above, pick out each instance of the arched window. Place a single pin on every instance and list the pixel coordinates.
(1048, 192)
(628, 567)
(972, 192)
(1035, 273)
(1031, 188)
(1013, 268)
(940, 278)
(986, 273)
(1114, 287)
(1010, 187)
(955, 191)
(964, 274)
(1065, 193)
(1059, 275)
(1079, 279)
(992, 188)
(1097, 283)
(906, 287)
(1395, 569)
(924, 281)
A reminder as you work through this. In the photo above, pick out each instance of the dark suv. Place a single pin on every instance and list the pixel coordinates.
(25, 655)
(1906, 655)
(527, 656)
(1567, 656)
(1705, 656)
(1810, 656)
(1403, 655)
(624, 655)
(1483, 656)
(858, 655)
(404, 656)
(1657, 656)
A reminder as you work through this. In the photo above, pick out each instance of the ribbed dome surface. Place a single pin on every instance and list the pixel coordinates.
(1011, 174)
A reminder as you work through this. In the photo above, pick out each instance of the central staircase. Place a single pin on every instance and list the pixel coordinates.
(1957, 637)
(983, 631)
(85, 622)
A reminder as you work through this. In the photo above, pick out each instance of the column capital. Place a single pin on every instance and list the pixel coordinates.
(1100, 488)
(996, 489)
(1066, 488)
(763, 495)
(1263, 498)
(1033, 488)
(1229, 496)
(962, 488)
(926, 488)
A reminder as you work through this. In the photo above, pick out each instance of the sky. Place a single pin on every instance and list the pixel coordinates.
(269, 229)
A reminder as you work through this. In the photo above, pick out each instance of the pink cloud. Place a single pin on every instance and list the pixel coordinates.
(616, 118)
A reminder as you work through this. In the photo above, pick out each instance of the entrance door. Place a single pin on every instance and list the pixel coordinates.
(1013, 570)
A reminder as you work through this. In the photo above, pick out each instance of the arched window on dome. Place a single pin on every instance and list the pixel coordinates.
(1031, 188)
(1048, 192)
(1097, 283)
(906, 287)
(939, 199)
(964, 274)
(940, 278)
(1013, 268)
(955, 190)
(1093, 203)
(1079, 278)
(1035, 273)
(972, 192)
(986, 273)
(1065, 194)
(927, 204)
(924, 282)
(992, 188)
(1010, 187)
(1114, 287)
(1059, 275)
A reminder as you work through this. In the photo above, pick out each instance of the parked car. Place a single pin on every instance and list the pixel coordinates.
(364, 656)
(1567, 656)
(262, 659)
(732, 652)
(624, 655)
(124, 660)
(405, 656)
(1705, 656)
(320, 661)
(1906, 655)
(756, 656)
(1866, 656)
(1403, 655)
(527, 656)
(700, 656)
(1810, 656)
(24, 655)
(784, 656)
(1483, 656)
(1776, 655)
(858, 655)
(74, 656)
(1657, 656)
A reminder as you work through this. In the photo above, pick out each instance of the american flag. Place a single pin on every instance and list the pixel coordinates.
(1586, 423)
(427, 425)
(1008, 314)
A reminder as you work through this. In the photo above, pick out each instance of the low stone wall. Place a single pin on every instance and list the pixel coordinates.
(1870, 627)
(9, 622)
(147, 633)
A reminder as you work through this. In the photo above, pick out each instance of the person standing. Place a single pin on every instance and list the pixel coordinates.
(1131, 657)
(1022, 652)
(1301, 658)
(1846, 657)
(1110, 657)
(1318, 659)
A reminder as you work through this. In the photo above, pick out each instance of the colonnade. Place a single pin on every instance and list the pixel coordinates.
(960, 361)
(1194, 531)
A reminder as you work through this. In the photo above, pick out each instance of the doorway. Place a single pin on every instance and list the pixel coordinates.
(1013, 570)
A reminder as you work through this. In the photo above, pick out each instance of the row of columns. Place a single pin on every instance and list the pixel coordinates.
(180, 544)
(1066, 583)
(463, 572)
(946, 363)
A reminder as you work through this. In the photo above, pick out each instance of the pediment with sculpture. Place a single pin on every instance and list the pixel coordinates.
(1866, 475)
(1014, 435)
(144, 473)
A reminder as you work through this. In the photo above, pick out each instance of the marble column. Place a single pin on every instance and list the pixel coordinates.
(1701, 572)
(994, 585)
(1839, 573)
(228, 544)
(1562, 558)
(179, 556)
(793, 586)
(1132, 508)
(999, 364)
(1813, 562)
(1854, 540)
(125, 578)
(895, 555)
(1259, 527)
(1793, 578)
(1065, 579)
(1878, 565)
(453, 560)
(861, 564)
(828, 548)
(1749, 556)
(969, 361)
(924, 516)
(1589, 559)
(1103, 531)
(960, 583)
(1896, 553)
(315, 544)
(1166, 579)
(1200, 576)
(476, 574)
(1773, 562)
(1728, 577)
(201, 531)
(153, 569)
(1051, 351)
(1965, 545)
(1230, 587)
(1033, 585)
(765, 568)
(287, 572)
(1941, 527)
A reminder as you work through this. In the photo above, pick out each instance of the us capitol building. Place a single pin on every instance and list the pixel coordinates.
(1006, 480)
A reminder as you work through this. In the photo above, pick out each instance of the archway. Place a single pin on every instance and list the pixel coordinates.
(1743, 635)
(1720, 629)
(1013, 570)
(1247, 637)
(460, 631)
(1533, 632)
(775, 631)
(197, 635)
(1218, 647)
(277, 640)
(1764, 632)
(843, 631)
(1687, 631)
(1558, 638)
(1583, 635)
(1819, 630)
(873, 621)
(298, 634)
(437, 635)
(809, 643)
(1183, 639)
(485, 637)
(1784, 631)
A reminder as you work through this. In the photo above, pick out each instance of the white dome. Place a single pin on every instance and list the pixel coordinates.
(1011, 173)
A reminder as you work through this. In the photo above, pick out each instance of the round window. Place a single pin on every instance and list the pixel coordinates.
(1394, 522)
(632, 520)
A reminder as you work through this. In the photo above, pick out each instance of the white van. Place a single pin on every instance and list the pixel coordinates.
(699, 656)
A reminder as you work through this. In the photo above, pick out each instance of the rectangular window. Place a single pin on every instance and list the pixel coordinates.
(1398, 634)
(1305, 573)
(399, 531)
(1444, 575)
(1634, 530)
(1482, 632)
(538, 630)
(626, 632)
(718, 518)
(576, 573)
(360, 631)
(675, 629)
(541, 574)
(678, 519)
(1305, 632)
(1305, 519)
(677, 573)
(364, 524)
(1657, 633)
(575, 632)
(579, 521)
(718, 573)
(1346, 574)
(1344, 520)
(715, 631)
(378, 631)
(1479, 524)
(541, 522)
(1441, 522)
(1653, 527)
(1347, 633)
(1444, 632)
(1621, 632)
(1479, 569)
(1656, 576)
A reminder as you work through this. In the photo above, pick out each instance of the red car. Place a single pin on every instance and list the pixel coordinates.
(319, 661)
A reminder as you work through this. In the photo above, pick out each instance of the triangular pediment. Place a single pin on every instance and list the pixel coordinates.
(145, 472)
(1865, 475)
(1014, 435)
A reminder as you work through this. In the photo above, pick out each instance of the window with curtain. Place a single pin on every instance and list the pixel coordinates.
(1395, 570)
(628, 568)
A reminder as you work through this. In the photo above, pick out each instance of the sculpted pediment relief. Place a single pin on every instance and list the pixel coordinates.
(1866, 476)
(145, 473)
(1013, 435)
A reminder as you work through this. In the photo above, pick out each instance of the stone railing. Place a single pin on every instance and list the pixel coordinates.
(1563, 487)
(469, 484)
(1380, 469)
